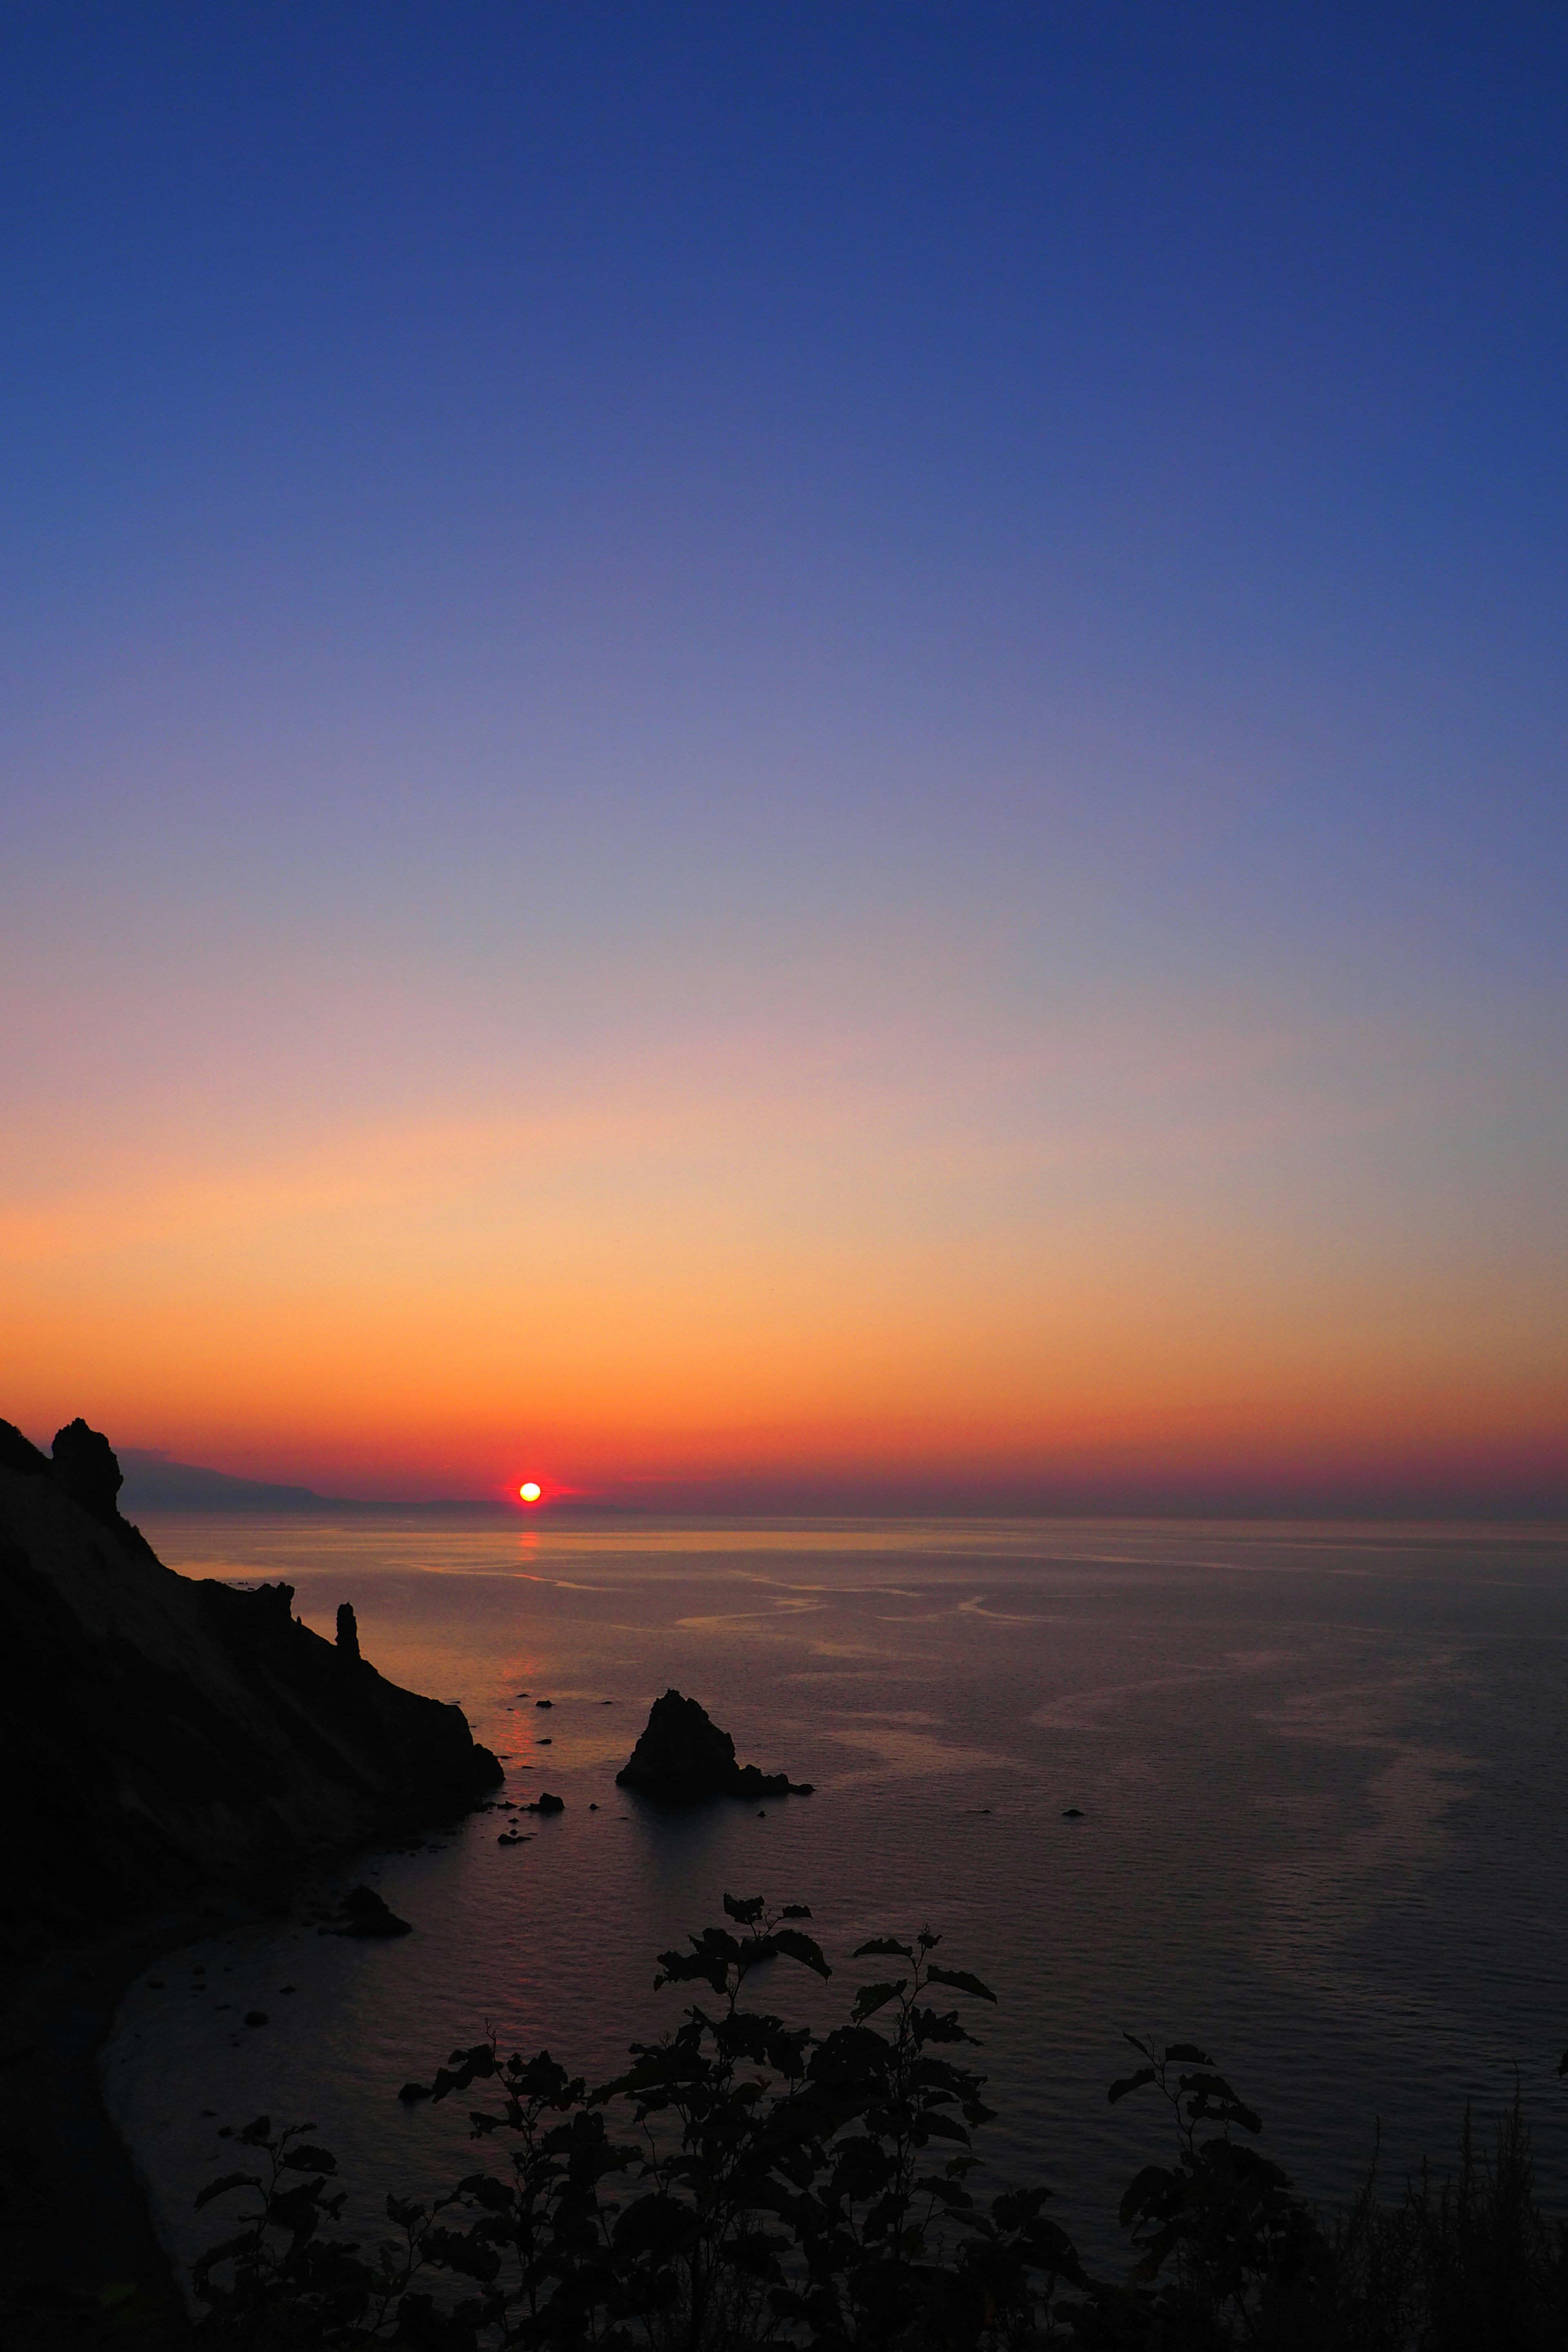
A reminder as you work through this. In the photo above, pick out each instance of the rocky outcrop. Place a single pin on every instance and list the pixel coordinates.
(83, 1462)
(369, 1913)
(682, 1755)
(161, 1736)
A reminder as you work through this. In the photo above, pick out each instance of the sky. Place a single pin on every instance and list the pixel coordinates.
(789, 755)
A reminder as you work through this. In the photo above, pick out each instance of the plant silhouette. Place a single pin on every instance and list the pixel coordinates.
(746, 2182)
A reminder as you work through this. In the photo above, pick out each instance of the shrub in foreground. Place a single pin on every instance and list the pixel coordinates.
(747, 2181)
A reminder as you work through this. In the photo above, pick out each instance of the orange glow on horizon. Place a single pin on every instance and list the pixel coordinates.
(1169, 1263)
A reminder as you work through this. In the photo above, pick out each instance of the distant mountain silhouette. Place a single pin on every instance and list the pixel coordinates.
(153, 1483)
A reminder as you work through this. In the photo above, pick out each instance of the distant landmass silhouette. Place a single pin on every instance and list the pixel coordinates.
(153, 1483)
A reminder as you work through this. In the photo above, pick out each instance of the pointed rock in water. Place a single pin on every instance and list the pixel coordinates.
(683, 1754)
(369, 1915)
(348, 1632)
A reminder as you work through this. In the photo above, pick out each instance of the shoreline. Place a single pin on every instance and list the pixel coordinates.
(81, 2256)
(62, 2162)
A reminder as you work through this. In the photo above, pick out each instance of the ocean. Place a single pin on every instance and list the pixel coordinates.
(1322, 1776)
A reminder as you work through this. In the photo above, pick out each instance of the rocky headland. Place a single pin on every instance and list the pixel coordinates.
(162, 1735)
(174, 1750)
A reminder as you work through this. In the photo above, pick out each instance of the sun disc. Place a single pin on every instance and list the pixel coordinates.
(530, 1490)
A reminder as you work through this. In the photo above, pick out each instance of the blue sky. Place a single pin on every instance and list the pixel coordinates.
(542, 543)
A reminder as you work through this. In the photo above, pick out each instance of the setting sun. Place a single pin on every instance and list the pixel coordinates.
(529, 1490)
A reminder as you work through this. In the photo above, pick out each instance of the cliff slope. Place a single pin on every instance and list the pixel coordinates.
(160, 1736)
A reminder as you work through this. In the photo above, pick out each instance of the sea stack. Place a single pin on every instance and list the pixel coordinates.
(683, 1755)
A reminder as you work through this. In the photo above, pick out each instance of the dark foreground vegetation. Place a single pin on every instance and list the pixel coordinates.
(750, 2182)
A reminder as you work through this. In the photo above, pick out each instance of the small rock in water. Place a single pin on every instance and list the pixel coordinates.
(544, 1743)
(256, 2017)
(412, 2091)
(1073, 1814)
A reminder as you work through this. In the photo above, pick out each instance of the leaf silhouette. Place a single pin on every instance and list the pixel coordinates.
(961, 1981)
(221, 2187)
(1119, 2090)
(873, 1996)
(796, 1947)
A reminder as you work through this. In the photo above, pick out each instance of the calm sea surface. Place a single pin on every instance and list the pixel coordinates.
(1322, 1772)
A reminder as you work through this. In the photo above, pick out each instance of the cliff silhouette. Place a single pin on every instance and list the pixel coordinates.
(174, 1736)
